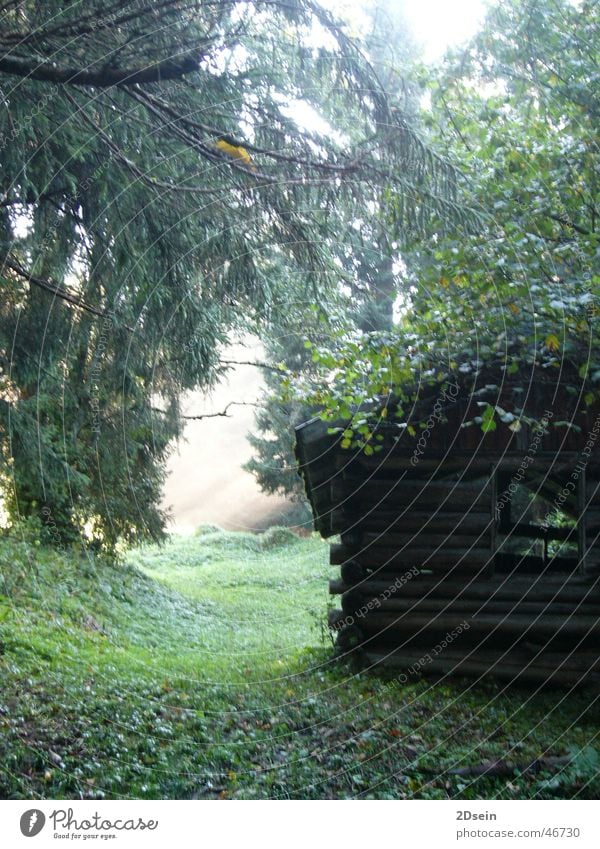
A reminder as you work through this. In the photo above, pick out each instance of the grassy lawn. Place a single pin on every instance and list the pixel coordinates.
(202, 670)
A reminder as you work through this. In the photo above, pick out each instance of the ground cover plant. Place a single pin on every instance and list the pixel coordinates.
(201, 669)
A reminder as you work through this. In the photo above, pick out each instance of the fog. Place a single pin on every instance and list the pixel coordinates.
(206, 483)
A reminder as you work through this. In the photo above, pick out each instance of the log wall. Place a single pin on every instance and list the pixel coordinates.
(423, 582)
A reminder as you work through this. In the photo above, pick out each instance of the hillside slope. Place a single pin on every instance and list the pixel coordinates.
(201, 670)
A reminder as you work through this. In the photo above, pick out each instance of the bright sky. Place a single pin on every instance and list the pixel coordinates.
(439, 24)
(436, 24)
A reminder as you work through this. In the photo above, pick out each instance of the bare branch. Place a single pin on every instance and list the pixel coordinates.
(279, 369)
(223, 413)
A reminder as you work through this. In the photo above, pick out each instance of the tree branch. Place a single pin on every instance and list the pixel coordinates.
(55, 290)
(457, 130)
(223, 413)
(151, 101)
(250, 363)
(566, 222)
(167, 69)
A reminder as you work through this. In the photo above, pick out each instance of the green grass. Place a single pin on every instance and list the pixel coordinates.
(202, 670)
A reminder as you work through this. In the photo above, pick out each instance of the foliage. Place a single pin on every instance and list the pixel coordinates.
(156, 171)
(518, 108)
(584, 768)
(195, 671)
(516, 111)
(366, 293)
(366, 302)
(273, 462)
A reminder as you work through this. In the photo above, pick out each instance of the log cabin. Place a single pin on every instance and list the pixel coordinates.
(465, 550)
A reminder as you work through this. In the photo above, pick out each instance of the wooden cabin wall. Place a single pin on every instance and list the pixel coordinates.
(417, 546)
(591, 530)
(463, 543)
(416, 558)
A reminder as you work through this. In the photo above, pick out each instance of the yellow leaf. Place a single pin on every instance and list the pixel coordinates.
(552, 342)
(514, 309)
(444, 282)
(236, 152)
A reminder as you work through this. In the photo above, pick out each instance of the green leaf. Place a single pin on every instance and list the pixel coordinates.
(487, 419)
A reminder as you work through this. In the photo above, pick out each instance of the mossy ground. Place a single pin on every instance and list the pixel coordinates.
(201, 670)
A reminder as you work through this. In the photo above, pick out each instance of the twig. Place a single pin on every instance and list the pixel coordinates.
(455, 125)
(224, 413)
(279, 369)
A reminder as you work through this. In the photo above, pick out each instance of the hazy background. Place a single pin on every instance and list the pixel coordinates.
(206, 481)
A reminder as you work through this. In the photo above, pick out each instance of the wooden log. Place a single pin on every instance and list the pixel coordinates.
(354, 600)
(538, 532)
(544, 588)
(408, 520)
(423, 539)
(390, 460)
(399, 459)
(469, 558)
(352, 538)
(337, 587)
(573, 669)
(336, 619)
(592, 493)
(592, 558)
(542, 629)
(592, 520)
(352, 572)
(441, 487)
(448, 496)
(584, 659)
(581, 532)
